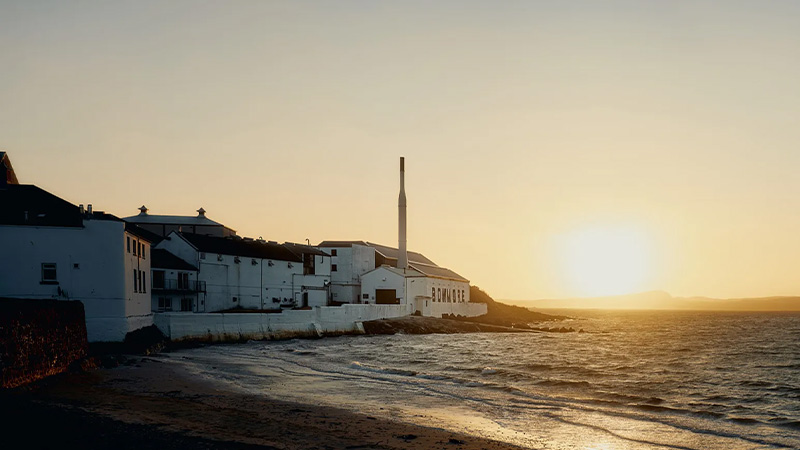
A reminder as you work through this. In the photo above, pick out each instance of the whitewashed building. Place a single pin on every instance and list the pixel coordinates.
(242, 273)
(174, 284)
(52, 249)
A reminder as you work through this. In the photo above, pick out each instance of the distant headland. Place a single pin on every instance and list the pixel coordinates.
(660, 300)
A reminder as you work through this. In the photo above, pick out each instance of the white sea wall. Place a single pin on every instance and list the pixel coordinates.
(289, 323)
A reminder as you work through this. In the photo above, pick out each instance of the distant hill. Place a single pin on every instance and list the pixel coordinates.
(663, 300)
(503, 314)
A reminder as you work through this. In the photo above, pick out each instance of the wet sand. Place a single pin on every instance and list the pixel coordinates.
(147, 403)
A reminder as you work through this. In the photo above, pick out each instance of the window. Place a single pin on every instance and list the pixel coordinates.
(158, 279)
(164, 304)
(308, 264)
(333, 252)
(333, 267)
(139, 245)
(134, 247)
(135, 286)
(142, 252)
(183, 280)
(144, 282)
(129, 243)
(202, 256)
(49, 274)
(186, 304)
(140, 281)
(365, 296)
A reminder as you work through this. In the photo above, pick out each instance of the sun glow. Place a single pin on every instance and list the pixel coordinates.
(601, 261)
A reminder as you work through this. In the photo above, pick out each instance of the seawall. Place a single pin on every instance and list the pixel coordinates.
(315, 322)
(39, 338)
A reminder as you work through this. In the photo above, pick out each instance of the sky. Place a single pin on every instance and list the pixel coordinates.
(553, 149)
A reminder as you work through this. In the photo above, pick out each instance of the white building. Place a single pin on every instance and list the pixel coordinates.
(164, 225)
(435, 293)
(241, 273)
(351, 261)
(175, 284)
(52, 249)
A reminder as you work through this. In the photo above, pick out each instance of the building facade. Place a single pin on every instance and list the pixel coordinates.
(238, 273)
(53, 249)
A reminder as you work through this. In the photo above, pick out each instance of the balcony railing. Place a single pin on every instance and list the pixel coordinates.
(175, 285)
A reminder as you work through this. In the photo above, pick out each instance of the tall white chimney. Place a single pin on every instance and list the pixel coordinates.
(402, 258)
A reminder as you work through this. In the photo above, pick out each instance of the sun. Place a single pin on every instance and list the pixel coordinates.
(605, 260)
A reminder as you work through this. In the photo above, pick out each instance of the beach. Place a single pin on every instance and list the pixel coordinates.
(148, 403)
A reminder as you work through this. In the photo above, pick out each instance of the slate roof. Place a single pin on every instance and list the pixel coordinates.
(388, 256)
(300, 249)
(148, 236)
(241, 247)
(172, 220)
(43, 208)
(162, 259)
(10, 176)
(386, 251)
(438, 272)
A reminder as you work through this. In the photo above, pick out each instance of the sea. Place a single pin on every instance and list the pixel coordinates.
(631, 380)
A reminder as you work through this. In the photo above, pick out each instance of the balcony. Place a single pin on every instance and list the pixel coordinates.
(178, 286)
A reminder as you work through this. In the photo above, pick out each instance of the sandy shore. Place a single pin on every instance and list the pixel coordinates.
(147, 403)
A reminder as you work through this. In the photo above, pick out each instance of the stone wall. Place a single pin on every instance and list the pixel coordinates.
(39, 338)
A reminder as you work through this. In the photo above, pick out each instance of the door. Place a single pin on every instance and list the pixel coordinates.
(386, 297)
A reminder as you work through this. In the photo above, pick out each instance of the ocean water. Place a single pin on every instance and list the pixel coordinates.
(633, 380)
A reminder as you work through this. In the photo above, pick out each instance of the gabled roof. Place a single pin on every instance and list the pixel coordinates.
(300, 249)
(6, 170)
(172, 220)
(341, 244)
(162, 259)
(386, 251)
(438, 272)
(240, 247)
(393, 253)
(148, 236)
(387, 257)
(26, 204)
(401, 272)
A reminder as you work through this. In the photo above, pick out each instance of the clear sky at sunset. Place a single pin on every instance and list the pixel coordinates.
(553, 149)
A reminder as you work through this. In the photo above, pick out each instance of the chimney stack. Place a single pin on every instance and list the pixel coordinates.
(402, 258)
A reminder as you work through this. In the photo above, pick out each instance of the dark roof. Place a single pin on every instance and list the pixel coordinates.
(7, 170)
(241, 247)
(388, 256)
(300, 249)
(393, 253)
(438, 272)
(341, 243)
(148, 236)
(26, 204)
(162, 259)
(389, 253)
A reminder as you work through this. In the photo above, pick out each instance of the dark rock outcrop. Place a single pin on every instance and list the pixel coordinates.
(39, 338)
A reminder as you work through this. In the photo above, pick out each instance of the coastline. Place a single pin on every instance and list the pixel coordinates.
(147, 402)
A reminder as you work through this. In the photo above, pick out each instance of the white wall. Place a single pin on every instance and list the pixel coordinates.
(254, 283)
(289, 323)
(352, 262)
(173, 298)
(383, 278)
(92, 266)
